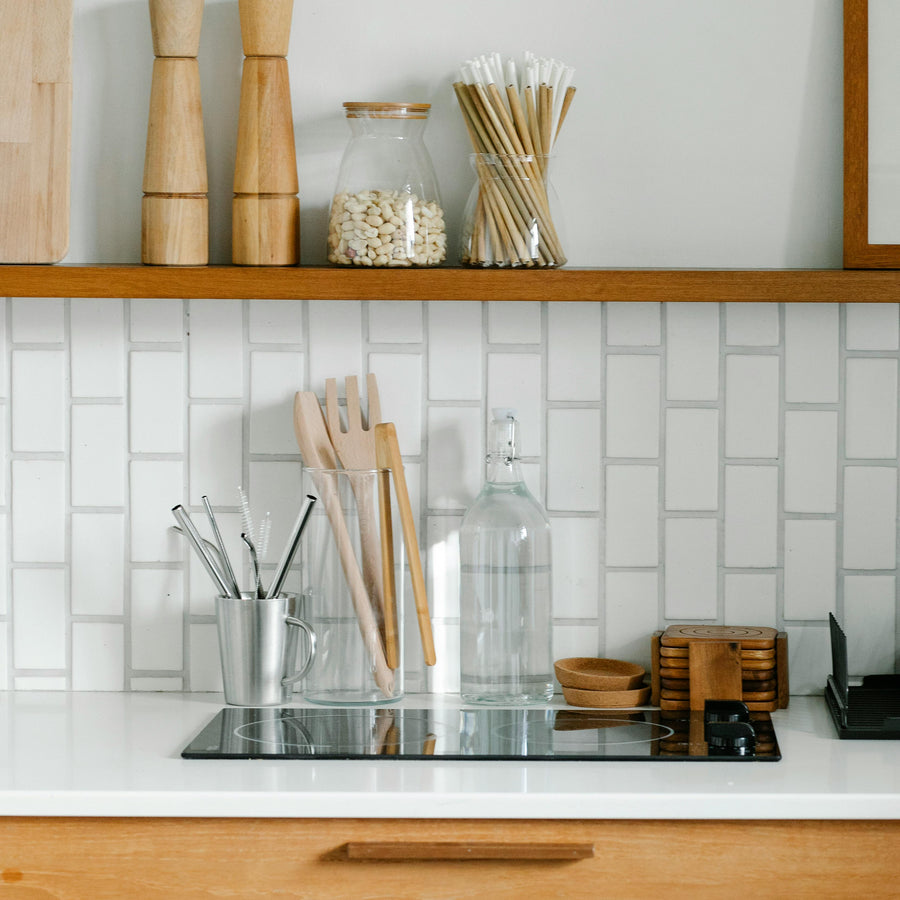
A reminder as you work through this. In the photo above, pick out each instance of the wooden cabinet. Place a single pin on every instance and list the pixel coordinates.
(151, 858)
(448, 283)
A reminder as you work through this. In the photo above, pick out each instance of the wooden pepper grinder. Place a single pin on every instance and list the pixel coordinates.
(265, 228)
(175, 207)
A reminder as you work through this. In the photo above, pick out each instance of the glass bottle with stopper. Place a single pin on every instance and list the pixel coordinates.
(505, 584)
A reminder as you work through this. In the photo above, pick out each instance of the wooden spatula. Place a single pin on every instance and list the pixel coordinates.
(318, 453)
(355, 450)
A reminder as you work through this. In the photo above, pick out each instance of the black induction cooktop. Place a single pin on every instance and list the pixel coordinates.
(727, 732)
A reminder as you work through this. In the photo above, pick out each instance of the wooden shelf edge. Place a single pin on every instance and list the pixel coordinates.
(448, 283)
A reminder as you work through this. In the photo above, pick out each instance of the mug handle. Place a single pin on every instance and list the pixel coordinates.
(311, 638)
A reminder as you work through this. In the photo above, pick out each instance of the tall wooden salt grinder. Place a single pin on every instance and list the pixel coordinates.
(265, 229)
(175, 206)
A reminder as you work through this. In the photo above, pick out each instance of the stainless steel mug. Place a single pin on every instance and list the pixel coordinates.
(258, 647)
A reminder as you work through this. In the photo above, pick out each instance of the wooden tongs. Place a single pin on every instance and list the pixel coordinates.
(388, 458)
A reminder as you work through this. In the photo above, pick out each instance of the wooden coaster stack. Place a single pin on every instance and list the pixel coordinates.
(695, 663)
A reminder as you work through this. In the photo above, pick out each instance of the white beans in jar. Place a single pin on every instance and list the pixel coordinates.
(385, 228)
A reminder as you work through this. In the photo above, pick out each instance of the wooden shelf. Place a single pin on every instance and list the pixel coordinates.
(447, 283)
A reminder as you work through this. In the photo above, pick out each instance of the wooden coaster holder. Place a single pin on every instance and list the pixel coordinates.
(694, 663)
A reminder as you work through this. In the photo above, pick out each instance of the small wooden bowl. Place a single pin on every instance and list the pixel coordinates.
(606, 699)
(591, 674)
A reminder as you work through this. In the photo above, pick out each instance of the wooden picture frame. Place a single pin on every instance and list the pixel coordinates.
(858, 252)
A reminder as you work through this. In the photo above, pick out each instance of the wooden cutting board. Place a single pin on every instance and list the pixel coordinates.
(35, 129)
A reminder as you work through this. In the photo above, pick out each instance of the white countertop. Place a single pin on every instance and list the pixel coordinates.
(101, 754)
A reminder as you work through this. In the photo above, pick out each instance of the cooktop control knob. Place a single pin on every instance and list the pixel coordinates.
(731, 739)
(725, 711)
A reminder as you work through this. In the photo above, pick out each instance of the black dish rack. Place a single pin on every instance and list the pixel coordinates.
(867, 711)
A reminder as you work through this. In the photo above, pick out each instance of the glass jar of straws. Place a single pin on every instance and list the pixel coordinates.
(512, 214)
(511, 218)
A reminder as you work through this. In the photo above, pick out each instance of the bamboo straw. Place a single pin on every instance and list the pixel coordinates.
(533, 122)
(567, 102)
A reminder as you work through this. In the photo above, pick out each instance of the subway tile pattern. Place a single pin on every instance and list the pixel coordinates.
(731, 463)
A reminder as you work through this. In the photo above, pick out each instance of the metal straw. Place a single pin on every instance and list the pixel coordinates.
(229, 572)
(254, 559)
(196, 541)
(287, 557)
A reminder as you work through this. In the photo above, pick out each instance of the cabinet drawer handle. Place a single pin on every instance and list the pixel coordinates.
(466, 850)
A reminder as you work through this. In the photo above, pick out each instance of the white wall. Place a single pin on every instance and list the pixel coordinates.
(704, 133)
(710, 462)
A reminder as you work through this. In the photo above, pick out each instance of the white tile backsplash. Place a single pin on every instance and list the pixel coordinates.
(691, 568)
(155, 487)
(156, 422)
(632, 600)
(702, 462)
(156, 321)
(215, 348)
(38, 321)
(38, 401)
(274, 380)
(574, 341)
(216, 452)
(751, 406)
(692, 459)
(870, 517)
(632, 405)
(157, 619)
(98, 580)
(692, 351)
(751, 598)
(633, 324)
(752, 324)
(810, 568)
(4, 564)
(39, 510)
(455, 359)
(95, 347)
(751, 517)
(573, 479)
(39, 620)
(335, 342)
(810, 461)
(455, 456)
(205, 669)
(275, 322)
(98, 458)
(98, 656)
(870, 421)
(514, 323)
(873, 326)
(393, 322)
(811, 352)
(632, 515)
(576, 568)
